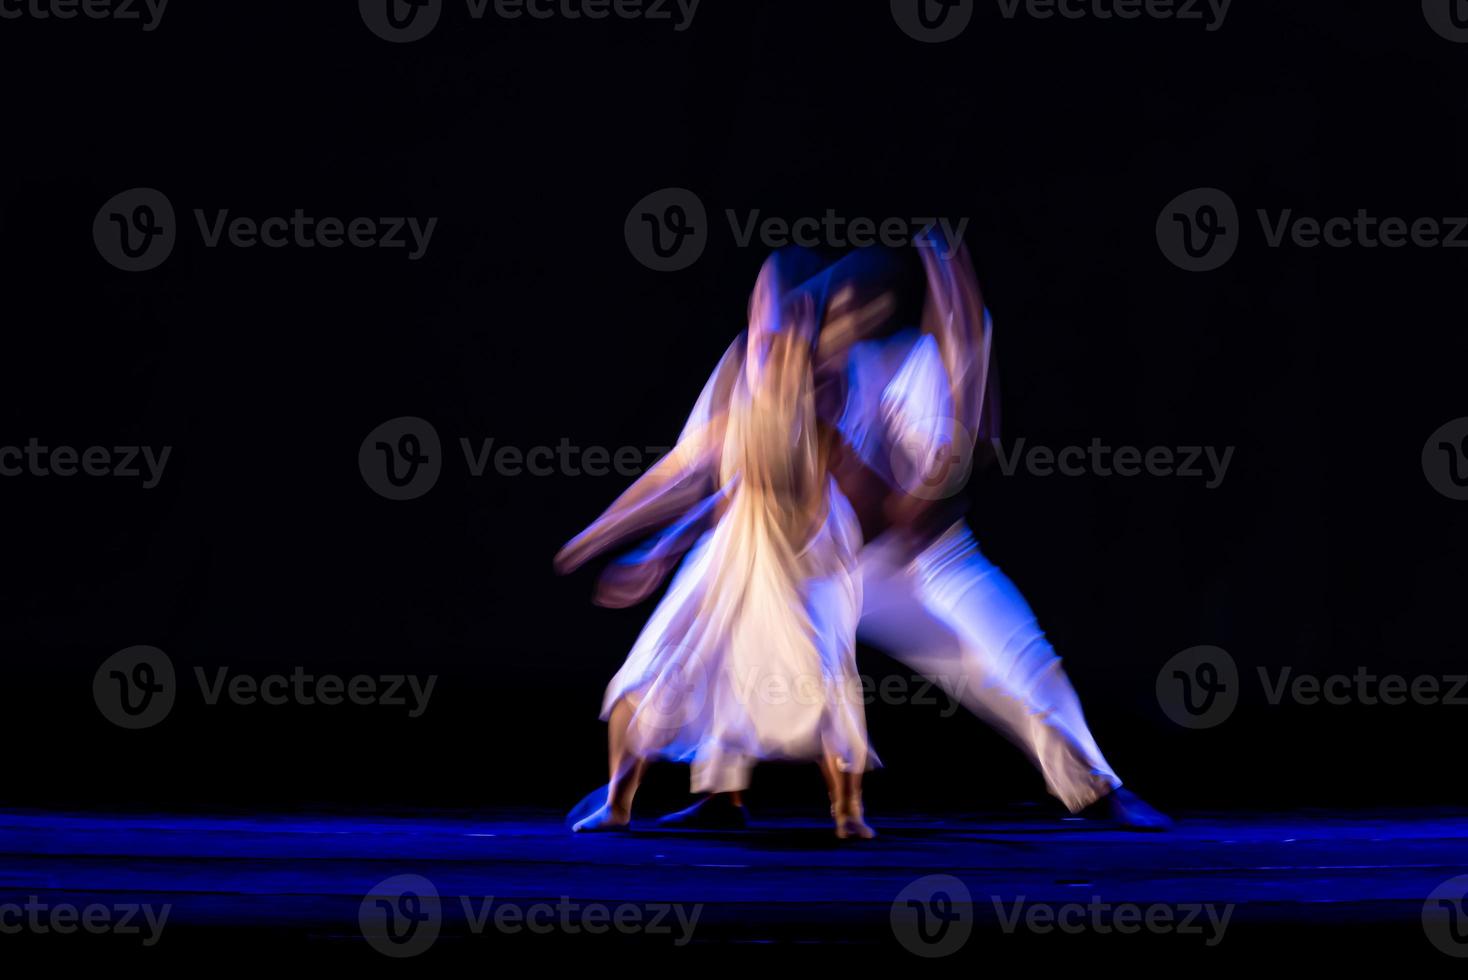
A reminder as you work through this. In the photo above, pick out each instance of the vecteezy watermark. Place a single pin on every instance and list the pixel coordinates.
(402, 916)
(403, 458)
(41, 918)
(1445, 917)
(932, 458)
(1200, 688)
(1210, 13)
(669, 229)
(123, 462)
(933, 916)
(147, 13)
(1200, 230)
(933, 21)
(1207, 463)
(753, 686)
(1206, 920)
(1448, 18)
(136, 230)
(1445, 460)
(675, 691)
(562, 459)
(403, 21)
(136, 688)
(936, 21)
(1362, 687)
(918, 689)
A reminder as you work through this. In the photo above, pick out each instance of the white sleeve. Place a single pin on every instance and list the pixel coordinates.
(917, 406)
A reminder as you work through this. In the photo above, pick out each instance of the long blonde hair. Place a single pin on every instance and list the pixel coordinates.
(774, 447)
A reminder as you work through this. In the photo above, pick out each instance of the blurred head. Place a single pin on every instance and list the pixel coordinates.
(855, 299)
(783, 327)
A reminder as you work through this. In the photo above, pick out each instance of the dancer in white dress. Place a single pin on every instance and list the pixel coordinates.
(750, 656)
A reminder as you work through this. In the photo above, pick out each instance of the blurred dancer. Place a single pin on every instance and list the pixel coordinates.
(750, 655)
(911, 407)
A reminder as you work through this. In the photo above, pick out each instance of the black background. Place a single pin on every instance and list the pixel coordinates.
(529, 321)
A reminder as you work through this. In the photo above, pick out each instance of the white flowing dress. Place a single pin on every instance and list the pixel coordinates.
(750, 655)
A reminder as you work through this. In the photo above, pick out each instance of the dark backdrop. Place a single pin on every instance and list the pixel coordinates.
(529, 321)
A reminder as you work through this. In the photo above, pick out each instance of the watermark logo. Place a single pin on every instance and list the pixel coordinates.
(135, 230)
(1125, 918)
(895, 689)
(1212, 12)
(301, 230)
(124, 462)
(563, 459)
(932, 459)
(673, 693)
(1199, 687)
(401, 459)
(676, 695)
(42, 918)
(933, 21)
(244, 690)
(401, 916)
(1199, 230)
(667, 230)
(1207, 463)
(1449, 18)
(400, 21)
(1445, 917)
(1445, 460)
(1363, 687)
(135, 688)
(403, 21)
(148, 13)
(936, 21)
(933, 916)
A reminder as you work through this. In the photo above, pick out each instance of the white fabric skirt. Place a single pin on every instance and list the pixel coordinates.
(750, 656)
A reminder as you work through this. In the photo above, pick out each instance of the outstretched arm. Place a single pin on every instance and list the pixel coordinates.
(671, 488)
(631, 579)
(675, 484)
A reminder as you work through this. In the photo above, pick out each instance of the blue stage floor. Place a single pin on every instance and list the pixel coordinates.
(1218, 886)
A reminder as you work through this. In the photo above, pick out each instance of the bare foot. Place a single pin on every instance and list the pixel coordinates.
(850, 823)
(603, 821)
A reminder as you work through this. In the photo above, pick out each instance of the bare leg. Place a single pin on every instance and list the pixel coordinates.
(833, 781)
(625, 776)
(846, 808)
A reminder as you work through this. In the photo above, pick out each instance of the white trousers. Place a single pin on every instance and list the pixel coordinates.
(953, 617)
